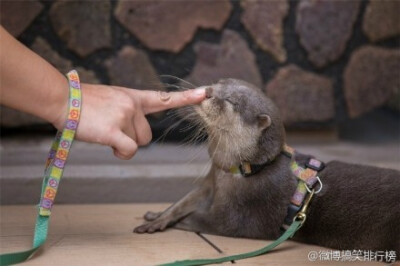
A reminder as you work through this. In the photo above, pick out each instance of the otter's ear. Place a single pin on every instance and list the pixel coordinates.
(264, 121)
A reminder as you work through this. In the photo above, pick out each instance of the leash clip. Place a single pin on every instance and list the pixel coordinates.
(302, 214)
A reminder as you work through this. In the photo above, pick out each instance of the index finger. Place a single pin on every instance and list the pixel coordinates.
(156, 101)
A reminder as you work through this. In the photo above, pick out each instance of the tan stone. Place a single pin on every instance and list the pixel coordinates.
(16, 16)
(132, 68)
(264, 21)
(232, 58)
(371, 79)
(170, 25)
(325, 27)
(83, 25)
(381, 19)
(302, 96)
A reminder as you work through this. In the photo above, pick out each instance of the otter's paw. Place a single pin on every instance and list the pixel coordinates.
(151, 216)
(153, 226)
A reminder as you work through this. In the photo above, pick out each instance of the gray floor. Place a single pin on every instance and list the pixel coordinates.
(158, 173)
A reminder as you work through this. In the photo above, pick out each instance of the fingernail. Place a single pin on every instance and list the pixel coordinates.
(164, 96)
(200, 92)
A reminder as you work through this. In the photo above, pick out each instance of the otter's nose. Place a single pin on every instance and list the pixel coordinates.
(209, 91)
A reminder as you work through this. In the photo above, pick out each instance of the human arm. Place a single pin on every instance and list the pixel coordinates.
(113, 116)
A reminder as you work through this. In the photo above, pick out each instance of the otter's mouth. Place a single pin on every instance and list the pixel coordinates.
(208, 111)
(213, 110)
(203, 109)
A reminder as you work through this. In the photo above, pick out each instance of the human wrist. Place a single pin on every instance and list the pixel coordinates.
(57, 114)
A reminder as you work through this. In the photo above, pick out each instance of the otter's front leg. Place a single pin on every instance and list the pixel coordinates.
(197, 198)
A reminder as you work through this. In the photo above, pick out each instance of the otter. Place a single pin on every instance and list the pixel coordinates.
(358, 207)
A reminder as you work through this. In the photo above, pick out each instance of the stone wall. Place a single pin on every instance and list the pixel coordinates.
(322, 62)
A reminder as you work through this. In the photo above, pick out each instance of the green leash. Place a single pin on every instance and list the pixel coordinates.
(288, 234)
(53, 172)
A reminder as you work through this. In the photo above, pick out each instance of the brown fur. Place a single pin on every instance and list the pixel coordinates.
(357, 209)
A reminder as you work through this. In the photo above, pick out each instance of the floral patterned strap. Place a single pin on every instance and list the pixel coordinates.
(53, 172)
(59, 151)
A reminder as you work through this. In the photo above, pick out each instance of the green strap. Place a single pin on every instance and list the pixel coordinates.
(53, 172)
(40, 236)
(39, 239)
(288, 234)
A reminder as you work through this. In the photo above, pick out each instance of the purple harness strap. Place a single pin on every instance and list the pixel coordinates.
(307, 180)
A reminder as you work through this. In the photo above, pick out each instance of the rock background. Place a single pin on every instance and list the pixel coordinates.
(323, 62)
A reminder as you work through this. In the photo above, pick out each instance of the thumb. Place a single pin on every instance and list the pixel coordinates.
(124, 147)
(156, 101)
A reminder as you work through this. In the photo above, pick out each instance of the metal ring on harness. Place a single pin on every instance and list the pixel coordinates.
(320, 186)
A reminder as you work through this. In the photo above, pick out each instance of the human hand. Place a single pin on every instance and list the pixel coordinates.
(115, 116)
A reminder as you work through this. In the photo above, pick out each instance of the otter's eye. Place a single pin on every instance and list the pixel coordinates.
(234, 104)
(230, 101)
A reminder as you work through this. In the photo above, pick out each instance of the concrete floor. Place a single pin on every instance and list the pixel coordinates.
(102, 235)
(158, 173)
